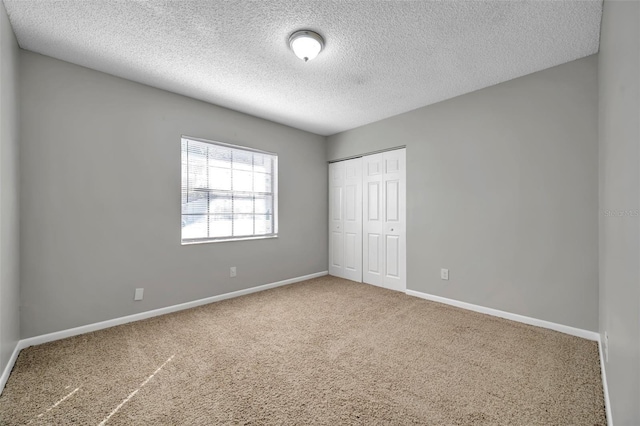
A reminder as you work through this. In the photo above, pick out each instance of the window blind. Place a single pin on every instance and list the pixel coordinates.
(228, 192)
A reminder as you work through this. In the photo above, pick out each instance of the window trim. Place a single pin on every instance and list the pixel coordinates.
(274, 194)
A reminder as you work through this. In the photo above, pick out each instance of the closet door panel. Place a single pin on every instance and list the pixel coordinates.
(345, 228)
(353, 219)
(372, 268)
(373, 254)
(336, 253)
(392, 259)
(394, 227)
(336, 233)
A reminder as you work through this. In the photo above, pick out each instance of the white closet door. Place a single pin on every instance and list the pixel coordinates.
(384, 222)
(395, 220)
(372, 217)
(345, 233)
(336, 225)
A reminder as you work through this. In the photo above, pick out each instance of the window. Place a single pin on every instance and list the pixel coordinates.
(228, 192)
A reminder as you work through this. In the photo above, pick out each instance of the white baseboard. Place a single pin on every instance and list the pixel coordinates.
(585, 334)
(58, 335)
(7, 371)
(605, 387)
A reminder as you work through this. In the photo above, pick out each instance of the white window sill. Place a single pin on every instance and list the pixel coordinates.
(224, 240)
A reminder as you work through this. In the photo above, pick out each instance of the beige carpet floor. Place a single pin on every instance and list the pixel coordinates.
(326, 351)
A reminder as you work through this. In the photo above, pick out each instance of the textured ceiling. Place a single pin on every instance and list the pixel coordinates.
(381, 58)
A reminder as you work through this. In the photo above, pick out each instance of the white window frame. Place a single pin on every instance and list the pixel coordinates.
(274, 195)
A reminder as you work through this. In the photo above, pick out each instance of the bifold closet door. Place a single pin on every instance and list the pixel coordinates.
(384, 219)
(345, 219)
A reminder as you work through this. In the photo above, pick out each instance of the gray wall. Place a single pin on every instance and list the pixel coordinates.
(9, 268)
(100, 199)
(619, 81)
(502, 189)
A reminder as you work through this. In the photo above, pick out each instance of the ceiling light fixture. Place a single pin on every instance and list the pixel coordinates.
(306, 44)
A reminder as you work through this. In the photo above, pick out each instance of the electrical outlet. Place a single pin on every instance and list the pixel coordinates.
(138, 294)
(444, 274)
(232, 271)
(606, 347)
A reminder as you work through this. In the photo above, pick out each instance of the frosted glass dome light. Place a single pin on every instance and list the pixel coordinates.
(306, 44)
